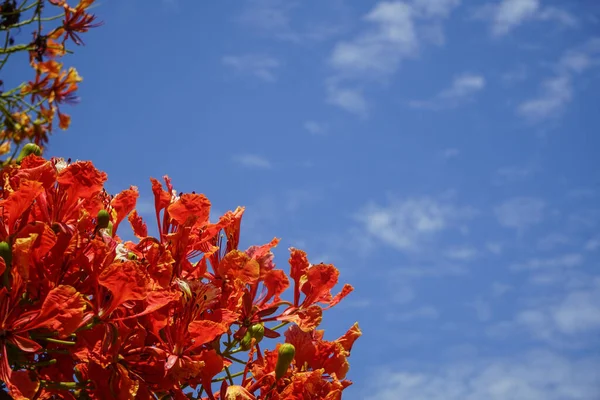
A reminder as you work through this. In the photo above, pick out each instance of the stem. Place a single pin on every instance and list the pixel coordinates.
(281, 325)
(58, 341)
(63, 385)
(227, 377)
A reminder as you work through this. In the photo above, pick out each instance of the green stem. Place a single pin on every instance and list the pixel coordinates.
(227, 377)
(281, 325)
(58, 341)
(63, 385)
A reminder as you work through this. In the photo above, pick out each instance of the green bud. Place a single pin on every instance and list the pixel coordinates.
(131, 256)
(246, 341)
(286, 355)
(258, 332)
(6, 253)
(29, 148)
(103, 219)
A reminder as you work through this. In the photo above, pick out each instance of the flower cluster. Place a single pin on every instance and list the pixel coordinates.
(27, 112)
(185, 314)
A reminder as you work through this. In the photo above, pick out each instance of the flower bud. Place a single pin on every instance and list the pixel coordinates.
(103, 219)
(6, 253)
(246, 341)
(29, 148)
(286, 355)
(258, 332)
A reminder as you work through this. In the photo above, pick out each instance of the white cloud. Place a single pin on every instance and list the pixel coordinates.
(394, 32)
(507, 15)
(274, 19)
(536, 375)
(514, 173)
(499, 288)
(511, 13)
(316, 128)
(259, 65)
(450, 153)
(379, 50)
(406, 224)
(437, 270)
(463, 87)
(494, 248)
(520, 212)
(252, 161)
(578, 312)
(461, 253)
(565, 261)
(552, 241)
(435, 8)
(556, 92)
(558, 15)
(350, 100)
(482, 308)
(592, 244)
(570, 319)
(423, 312)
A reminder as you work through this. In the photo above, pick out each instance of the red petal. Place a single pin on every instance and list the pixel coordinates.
(21, 386)
(348, 338)
(126, 281)
(137, 225)
(18, 201)
(346, 290)
(238, 265)
(321, 279)
(82, 180)
(205, 331)
(25, 344)
(276, 282)
(306, 319)
(190, 205)
(34, 168)
(62, 311)
(123, 204)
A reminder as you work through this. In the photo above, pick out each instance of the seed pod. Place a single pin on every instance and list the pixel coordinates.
(286, 355)
(131, 256)
(103, 219)
(6, 253)
(29, 148)
(246, 341)
(258, 332)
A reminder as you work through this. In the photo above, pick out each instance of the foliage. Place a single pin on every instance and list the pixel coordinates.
(185, 314)
(29, 109)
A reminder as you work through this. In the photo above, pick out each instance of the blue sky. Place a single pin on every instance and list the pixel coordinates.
(441, 153)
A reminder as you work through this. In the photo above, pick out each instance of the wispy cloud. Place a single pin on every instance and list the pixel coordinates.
(535, 375)
(507, 15)
(463, 88)
(450, 152)
(563, 261)
(465, 253)
(557, 91)
(392, 34)
(379, 50)
(350, 100)
(274, 18)
(261, 66)
(252, 161)
(520, 212)
(514, 173)
(422, 312)
(315, 128)
(407, 224)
